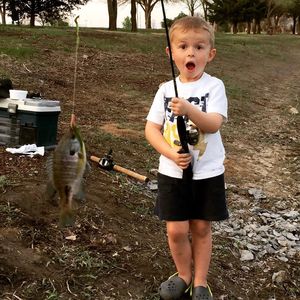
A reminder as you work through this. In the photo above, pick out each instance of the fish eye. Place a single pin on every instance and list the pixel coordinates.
(72, 152)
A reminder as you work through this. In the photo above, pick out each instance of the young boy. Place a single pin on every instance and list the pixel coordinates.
(188, 209)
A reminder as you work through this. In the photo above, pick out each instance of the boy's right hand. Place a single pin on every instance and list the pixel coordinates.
(182, 160)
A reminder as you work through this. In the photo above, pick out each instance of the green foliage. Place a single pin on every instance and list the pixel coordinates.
(181, 15)
(46, 10)
(59, 23)
(170, 21)
(127, 24)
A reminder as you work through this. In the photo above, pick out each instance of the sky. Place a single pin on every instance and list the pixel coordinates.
(95, 14)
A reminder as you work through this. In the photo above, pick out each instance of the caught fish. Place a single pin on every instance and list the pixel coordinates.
(65, 170)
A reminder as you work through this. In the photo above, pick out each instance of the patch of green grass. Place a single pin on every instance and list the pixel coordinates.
(19, 51)
(124, 42)
(262, 46)
(3, 182)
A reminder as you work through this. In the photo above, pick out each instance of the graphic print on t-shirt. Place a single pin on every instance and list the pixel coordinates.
(170, 128)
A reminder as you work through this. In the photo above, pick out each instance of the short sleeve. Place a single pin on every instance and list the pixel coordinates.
(157, 111)
(217, 101)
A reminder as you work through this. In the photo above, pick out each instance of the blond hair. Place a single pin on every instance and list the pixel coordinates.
(195, 23)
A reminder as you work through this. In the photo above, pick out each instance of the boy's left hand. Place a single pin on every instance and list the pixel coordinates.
(179, 106)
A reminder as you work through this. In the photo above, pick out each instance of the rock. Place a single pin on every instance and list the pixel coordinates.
(246, 255)
(293, 214)
(291, 237)
(257, 193)
(283, 258)
(293, 110)
(279, 277)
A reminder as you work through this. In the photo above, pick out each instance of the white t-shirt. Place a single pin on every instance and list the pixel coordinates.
(208, 94)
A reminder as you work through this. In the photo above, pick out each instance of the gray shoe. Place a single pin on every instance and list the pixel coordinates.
(173, 288)
(202, 293)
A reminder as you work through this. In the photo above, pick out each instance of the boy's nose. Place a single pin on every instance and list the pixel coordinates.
(190, 52)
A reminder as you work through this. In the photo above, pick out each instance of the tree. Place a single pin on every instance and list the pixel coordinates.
(259, 13)
(275, 8)
(222, 11)
(126, 24)
(192, 5)
(112, 6)
(133, 20)
(133, 16)
(294, 12)
(3, 4)
(205, 8)
(147, 6)
(47, 10)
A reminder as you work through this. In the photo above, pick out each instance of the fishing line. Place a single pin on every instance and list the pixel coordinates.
(76, 62)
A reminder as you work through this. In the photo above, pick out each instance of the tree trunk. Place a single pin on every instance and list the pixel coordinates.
(248, 27)
(234, 27)
(112, 6)
(258, 27)
(294, 24)
(205, 8)
(298, 26)
(32, 13)
(147, 17)
(276, 23)
(3, 12)
(133, 16)
(254, 26)
(192, 11)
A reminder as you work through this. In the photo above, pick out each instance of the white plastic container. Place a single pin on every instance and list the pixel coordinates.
(17, 94)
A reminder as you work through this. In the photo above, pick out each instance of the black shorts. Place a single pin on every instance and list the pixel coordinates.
(202, 199)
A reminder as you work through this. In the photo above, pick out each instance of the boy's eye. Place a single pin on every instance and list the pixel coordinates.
(182, 46)
(199, 47)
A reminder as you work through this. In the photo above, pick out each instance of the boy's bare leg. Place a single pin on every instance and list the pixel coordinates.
(202, 248)
(180, 246)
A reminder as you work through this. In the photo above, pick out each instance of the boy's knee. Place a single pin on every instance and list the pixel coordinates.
(200, 228)
(177, 233)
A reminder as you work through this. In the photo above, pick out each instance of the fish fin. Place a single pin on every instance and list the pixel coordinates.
(79, 196)
(88, 168)
(66, 213)
(67, 218)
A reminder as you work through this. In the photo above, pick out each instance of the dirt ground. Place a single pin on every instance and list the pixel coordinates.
(117, 248)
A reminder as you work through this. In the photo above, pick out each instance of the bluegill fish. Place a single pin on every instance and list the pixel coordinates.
(65, 170)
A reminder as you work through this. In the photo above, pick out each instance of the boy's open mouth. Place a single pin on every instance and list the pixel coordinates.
(190, 66)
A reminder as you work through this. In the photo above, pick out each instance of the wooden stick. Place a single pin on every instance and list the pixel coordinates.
(95, 159)
(131, 173)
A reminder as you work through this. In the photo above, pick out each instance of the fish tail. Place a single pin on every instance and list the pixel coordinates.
(67, 217)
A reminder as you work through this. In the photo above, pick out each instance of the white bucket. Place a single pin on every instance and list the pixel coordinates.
(17, 94)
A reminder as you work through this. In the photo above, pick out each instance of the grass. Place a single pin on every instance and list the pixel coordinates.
(3, 182)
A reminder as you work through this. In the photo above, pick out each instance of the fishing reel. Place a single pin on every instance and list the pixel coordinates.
(192, 133)
(106, 162)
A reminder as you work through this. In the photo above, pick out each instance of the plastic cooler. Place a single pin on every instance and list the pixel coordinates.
(28, 121)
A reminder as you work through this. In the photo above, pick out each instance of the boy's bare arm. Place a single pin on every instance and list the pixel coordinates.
(206, 122)
(156, 139)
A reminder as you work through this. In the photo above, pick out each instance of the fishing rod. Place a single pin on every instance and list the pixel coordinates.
(187, 173)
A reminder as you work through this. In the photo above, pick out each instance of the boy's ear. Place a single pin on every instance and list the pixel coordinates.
(212, 54)
(168, 51)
